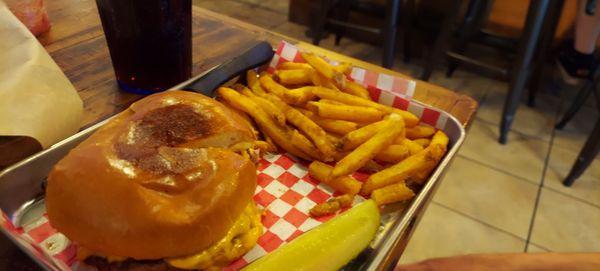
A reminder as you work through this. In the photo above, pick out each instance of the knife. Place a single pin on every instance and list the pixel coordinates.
(210, 80)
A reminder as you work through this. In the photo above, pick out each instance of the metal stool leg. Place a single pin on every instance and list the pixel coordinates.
(583, 94)
(319, 12)
(579, 101)
(543, 55)
(341, 13)
(441, 43)
(586, 156)
(407, 21)
(476, 15)
(389, 33)
(519, 72)
(596, 78)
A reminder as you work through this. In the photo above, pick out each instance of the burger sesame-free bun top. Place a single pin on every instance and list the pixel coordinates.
(156, 181)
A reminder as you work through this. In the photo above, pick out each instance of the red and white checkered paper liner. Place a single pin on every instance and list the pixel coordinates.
(285, 190)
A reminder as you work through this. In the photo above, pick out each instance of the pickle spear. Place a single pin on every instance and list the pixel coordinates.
(327, 247)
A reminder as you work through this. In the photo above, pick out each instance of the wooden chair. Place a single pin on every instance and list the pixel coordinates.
(334, 13)
(530, 54)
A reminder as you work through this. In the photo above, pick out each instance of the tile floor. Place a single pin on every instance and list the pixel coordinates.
(494, 198)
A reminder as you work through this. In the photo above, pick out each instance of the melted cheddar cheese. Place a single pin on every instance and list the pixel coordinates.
(242, 236)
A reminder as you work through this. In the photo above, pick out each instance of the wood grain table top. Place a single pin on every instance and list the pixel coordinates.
(77, 44)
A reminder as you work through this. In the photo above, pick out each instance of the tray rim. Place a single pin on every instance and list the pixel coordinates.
(388, 253)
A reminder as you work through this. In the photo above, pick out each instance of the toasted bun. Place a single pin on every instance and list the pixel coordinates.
(156, 181)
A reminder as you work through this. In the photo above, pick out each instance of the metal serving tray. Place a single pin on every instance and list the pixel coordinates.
(22, 199)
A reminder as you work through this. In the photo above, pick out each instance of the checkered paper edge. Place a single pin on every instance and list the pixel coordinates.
(32, 246)
(284, 191)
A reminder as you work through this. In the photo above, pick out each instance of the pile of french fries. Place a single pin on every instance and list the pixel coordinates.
(314, 112)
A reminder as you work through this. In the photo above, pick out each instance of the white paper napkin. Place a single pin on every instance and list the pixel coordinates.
(36, 98)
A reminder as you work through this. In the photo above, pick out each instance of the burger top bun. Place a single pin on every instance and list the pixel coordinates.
(156, 181)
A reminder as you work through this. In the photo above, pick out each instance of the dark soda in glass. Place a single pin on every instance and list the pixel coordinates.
(150, 42)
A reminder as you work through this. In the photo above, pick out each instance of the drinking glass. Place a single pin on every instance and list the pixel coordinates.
(149, 42)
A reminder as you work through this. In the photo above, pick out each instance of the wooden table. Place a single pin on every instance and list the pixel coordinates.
(77, 44)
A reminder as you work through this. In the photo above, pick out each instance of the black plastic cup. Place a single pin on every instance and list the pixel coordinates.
(150, 42)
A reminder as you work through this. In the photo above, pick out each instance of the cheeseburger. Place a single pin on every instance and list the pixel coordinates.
(162, 186)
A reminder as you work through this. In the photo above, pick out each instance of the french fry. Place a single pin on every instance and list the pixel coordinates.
(278, 134)
(294, 66)
(424, 142)
(334, 139)
(340, 155)
(365, 152)
(321, 66)
(300, 141)
(263, 146)
(410, 119)
(398, 172)
(241, 146)
(331, 206)
(299, 96)
(266, 105)
(246, 119)
(346, 112)
(356, 90)
(268, 84)
(393, 154)
(306, 125)
(345, 200)
(425, 159)
(440, 139)
(325, 208)
(304, 108)
(328, 101)
(345, 184)
(422, 175)
(257, 89)
(269, 140)
(252, 80)
(250, 155)
(413, 147)
(392, 193)
(238, 87)
(438, 144)
(319, 80)
(348, 86)
(293, 77)
(339, 127)
(372, 167)
(343, 67)
(419, 131)
(359, 136)
(251, 77)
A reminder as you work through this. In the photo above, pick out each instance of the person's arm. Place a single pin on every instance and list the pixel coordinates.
(512, 262)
